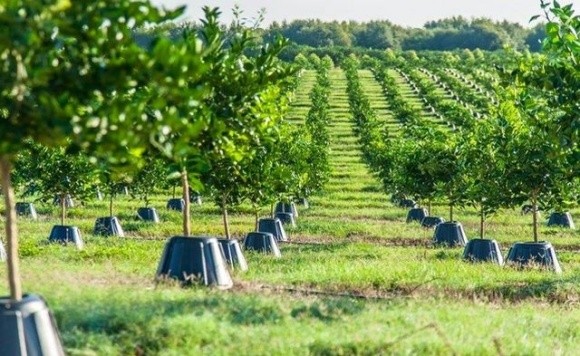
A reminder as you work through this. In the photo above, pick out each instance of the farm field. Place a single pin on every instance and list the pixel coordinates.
(355, 278)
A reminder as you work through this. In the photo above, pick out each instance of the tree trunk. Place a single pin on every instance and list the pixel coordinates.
(186, 213)
(62, 208)
(11, 231)
(535, 216)
(429, 208)
(451, 212)
(257, 218)
(174, 191)
(481, 223)
(225, 216)
(272, 210)
(111, 203)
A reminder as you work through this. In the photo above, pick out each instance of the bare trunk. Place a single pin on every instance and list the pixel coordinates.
(535, 216)
(11, 231)
(225, 215)
(186, 213)
(482, 223)
(111, 204)
(174, 192)
(429, 208)
(62, 208)
(257, 219)
(451, 212)
(272, 210)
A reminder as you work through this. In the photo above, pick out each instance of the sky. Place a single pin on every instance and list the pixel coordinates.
(410, 13)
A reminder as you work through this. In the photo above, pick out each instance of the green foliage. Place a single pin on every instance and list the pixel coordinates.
(441, 35)
(316, 124)
(485, 169)
(59, 173)
(244, 105)
(79, 74)
(539, 117)
(153, 175)
(485, 36)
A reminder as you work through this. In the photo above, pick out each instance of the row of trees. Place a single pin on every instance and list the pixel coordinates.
(509, 157)
(76, 82)
(280, 163)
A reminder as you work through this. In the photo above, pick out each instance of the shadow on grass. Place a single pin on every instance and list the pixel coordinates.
(372, 189)
(129, 321)
(561, 291)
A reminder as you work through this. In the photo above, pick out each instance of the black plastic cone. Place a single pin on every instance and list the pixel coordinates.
(28, 328)
(66, 234)
(287, 208)
(262, 242)
(431, 221)
(26, 209)
(407, 203)
(416, 214)
(148, 214)
(527, 209)
(449, 234)
(273, 226)
(68, 201)
(483, 250)
(561, 220)
(190, 259)
(195, 198)
(534, 253)
(233, 254)
(108, 226)
(303, 202)
(287, 219)
(177, 204)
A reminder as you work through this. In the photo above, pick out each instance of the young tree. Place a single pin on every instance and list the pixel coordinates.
(539, 116)
(261, 172)
(61, 175)
(428, 166)
(242, 87)
(413, 172)
(151, 176)
(484, 171)
(535, 169)
(25, 174)
(113, 181)
(226, 183)
(452, 181)
(65, 70)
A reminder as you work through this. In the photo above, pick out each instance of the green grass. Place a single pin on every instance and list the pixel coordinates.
(355, 278)
(171, 321)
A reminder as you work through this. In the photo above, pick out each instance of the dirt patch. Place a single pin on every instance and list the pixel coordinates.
(361, 238)
(502, 295)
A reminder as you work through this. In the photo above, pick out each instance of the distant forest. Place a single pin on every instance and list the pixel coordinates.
(441, 35)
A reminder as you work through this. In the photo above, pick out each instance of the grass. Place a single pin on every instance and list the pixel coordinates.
(355, 278)
(173, 321)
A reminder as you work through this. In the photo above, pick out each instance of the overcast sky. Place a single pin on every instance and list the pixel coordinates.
(402, 12)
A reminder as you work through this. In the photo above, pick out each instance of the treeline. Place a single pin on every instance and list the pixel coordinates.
(351, 37)
(441, 35)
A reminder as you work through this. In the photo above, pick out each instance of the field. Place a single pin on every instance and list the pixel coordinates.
(354, 279)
